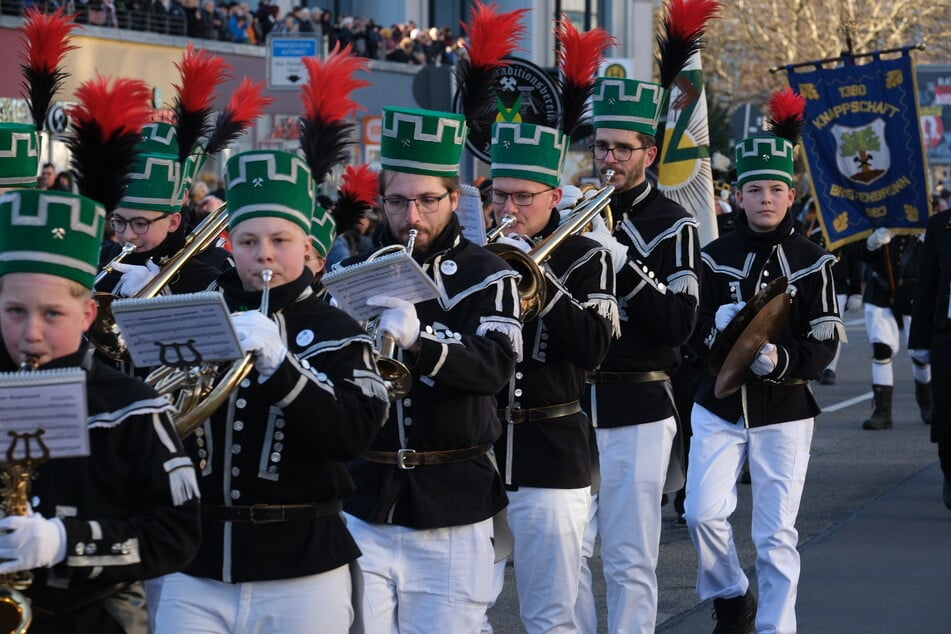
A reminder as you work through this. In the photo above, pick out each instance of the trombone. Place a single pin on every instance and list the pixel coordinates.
(532, 288)
(104, 333)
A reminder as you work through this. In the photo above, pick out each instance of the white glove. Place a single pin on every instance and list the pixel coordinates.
(134, 277)
(879, 238)
(31, 542)
(516, 241)
(726, 313)
(569, 196)
(399, 319)
(600, 234)
(258, 334)
(853, 303)
(922, 356)
(765, 361)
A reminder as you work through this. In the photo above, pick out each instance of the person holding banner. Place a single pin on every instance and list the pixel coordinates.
(769, 420)
(276, 554)
(543, 454)
(929, 340)
(891, 268)
(427, 490)
(127, 511)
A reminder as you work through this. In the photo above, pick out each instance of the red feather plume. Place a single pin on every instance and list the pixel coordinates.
(118, 109)
(359, 191)
(324, 126)
(492, 35)
(107, 126)
(579, 56)
(247, 103)
(786, 109)
(45, 38)
(682, 34)
(326, 95)
(200, 74)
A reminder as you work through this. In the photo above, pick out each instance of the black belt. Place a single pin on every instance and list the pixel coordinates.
(410, 458)
(791, 381)
(271, 513)
(533, 414)
(626, 377)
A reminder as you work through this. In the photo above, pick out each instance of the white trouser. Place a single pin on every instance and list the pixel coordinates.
(425, 580)
(625, 513)
(881, 327)
(548, 526)
(290, 606)
(778, 456)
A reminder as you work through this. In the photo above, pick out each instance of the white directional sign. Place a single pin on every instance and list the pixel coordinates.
(285, 54)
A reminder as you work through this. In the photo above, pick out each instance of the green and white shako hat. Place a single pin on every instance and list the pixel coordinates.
(154, 184)
(764, 157)
(159, 180)
(419, 141)
(626, 104)
(323, 231)
(19, 156)
(269, 183)
(529, 151)
(58, 233)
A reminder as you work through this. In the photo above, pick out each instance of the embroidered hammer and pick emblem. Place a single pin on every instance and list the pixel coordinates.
(59, 233)
(257, 181)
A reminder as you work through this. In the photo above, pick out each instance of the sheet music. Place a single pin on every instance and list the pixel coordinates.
(51, 400)
(470, 215)
(395, 275)
(177, 329)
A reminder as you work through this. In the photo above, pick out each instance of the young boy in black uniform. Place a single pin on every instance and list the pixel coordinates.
(129, 510)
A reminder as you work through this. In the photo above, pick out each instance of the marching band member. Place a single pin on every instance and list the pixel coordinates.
(769, 421)
(543, 453)
(655, 250)
(149, 213)
(129, 510)
(929, 341)
(427, 490)
(275, 553)
(891, 268)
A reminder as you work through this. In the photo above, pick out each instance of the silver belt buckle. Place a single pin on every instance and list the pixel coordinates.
(401, 455)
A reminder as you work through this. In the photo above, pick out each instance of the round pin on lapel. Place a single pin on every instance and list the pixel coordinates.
(304, 337)
(448, 267)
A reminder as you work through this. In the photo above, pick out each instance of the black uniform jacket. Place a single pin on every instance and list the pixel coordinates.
(657, 301)
(931, 318)
(284, 441)
(130, 508)
(747, 261)
(890, 273)
(468, 342)
(570, 335)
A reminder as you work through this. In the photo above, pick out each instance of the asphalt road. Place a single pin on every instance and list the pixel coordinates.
(871, 522)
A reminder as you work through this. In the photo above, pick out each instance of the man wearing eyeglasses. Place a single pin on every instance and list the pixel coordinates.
(427, 490)
(543, 453)
(149, 218)
(656, 255)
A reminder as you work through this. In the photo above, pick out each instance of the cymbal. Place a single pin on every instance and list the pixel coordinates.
(735, 348)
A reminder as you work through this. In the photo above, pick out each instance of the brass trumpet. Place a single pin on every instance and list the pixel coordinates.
(507, 221)
(198, 394)
(532, 286)
(396, 376)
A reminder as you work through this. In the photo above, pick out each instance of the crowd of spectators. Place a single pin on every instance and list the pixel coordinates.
(232, 21)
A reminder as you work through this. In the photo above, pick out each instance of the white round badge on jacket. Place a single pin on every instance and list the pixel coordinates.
(304, 337)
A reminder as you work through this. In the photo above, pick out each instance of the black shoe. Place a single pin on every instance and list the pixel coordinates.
(946, 493)
(827, 377)
(736, 615)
